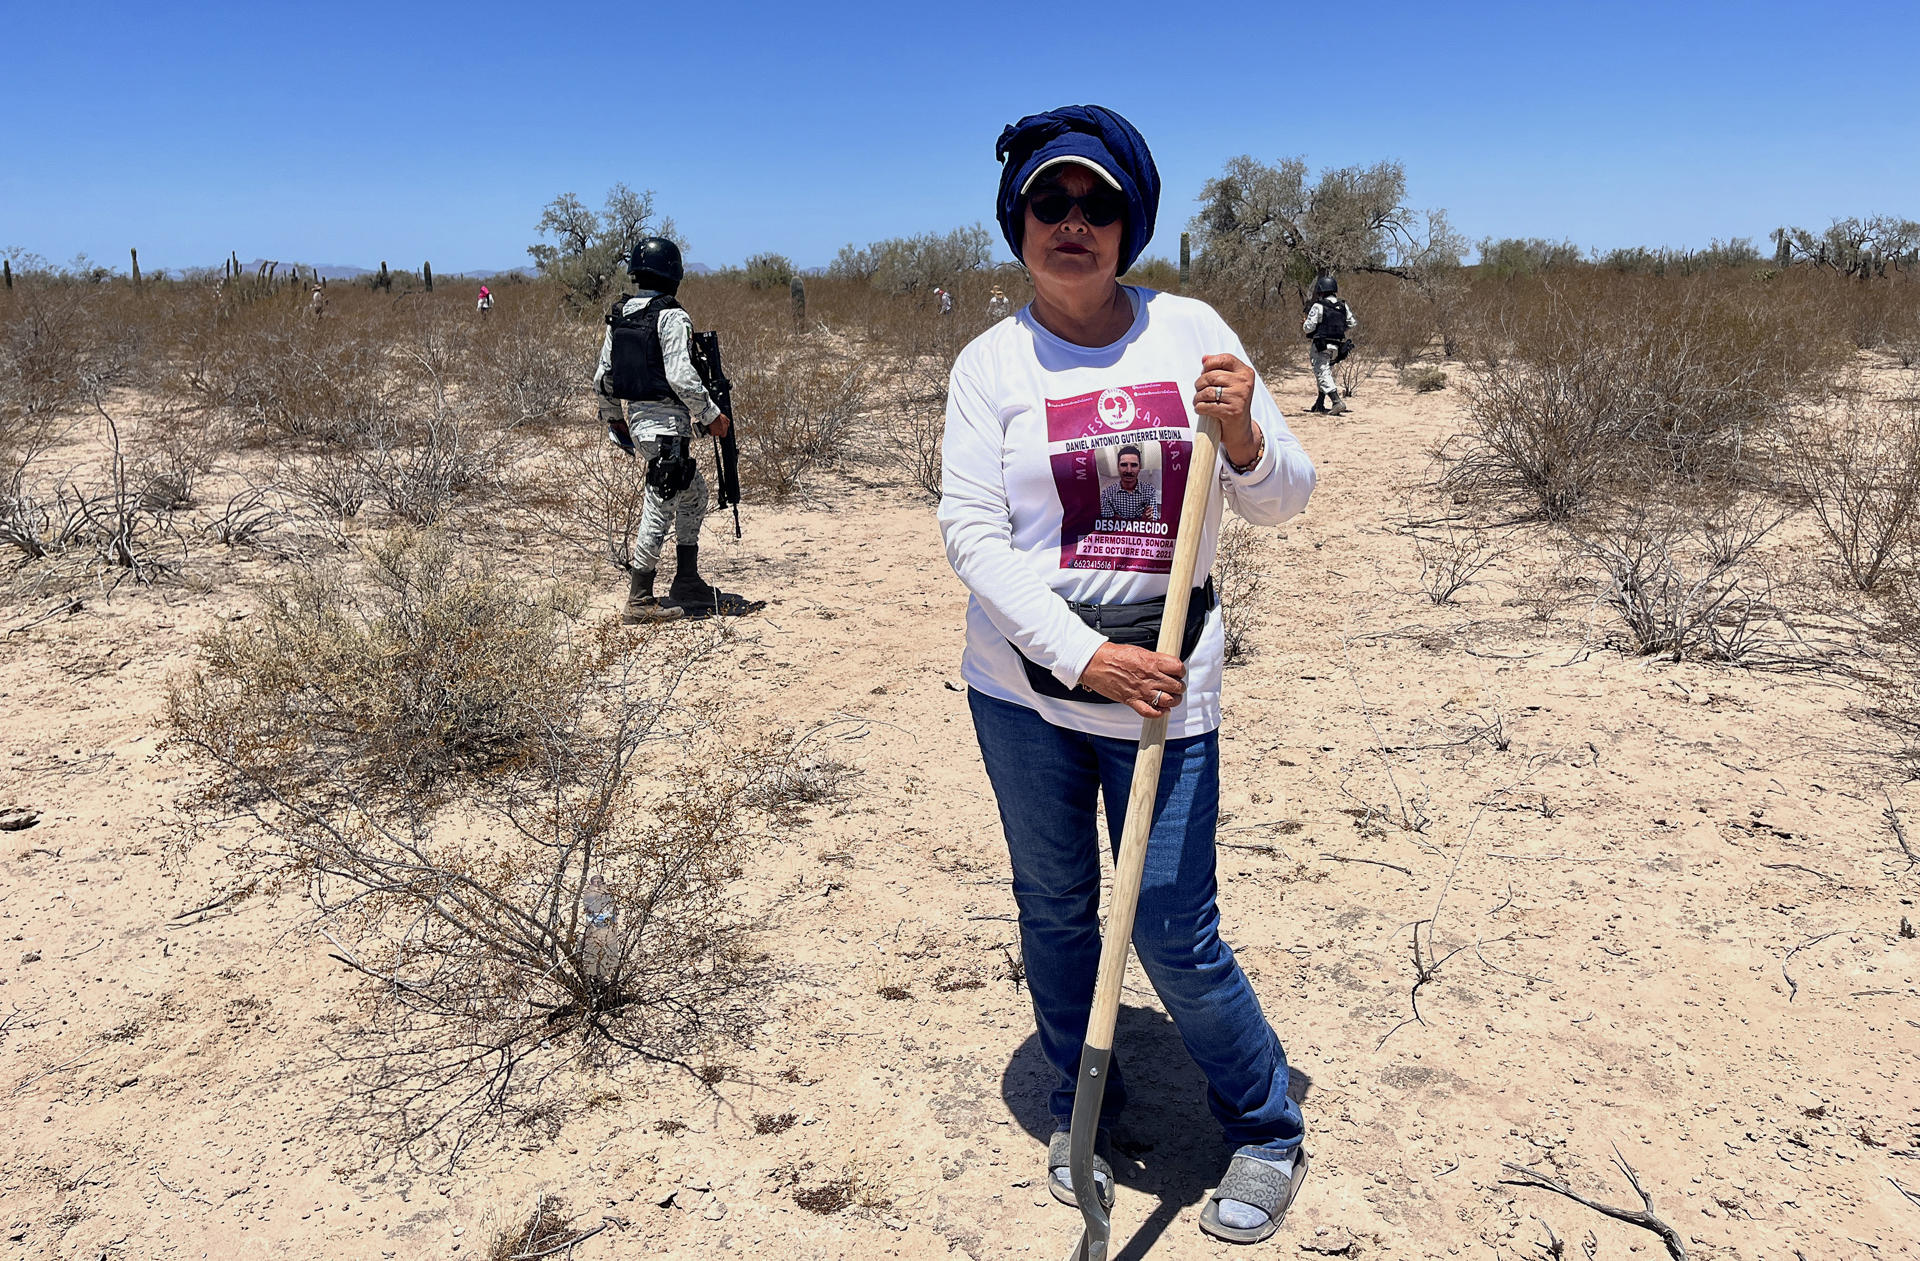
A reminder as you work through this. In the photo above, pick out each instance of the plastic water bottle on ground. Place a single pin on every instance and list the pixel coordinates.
(601, 945)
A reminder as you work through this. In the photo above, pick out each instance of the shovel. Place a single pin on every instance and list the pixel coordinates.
(1202, 478)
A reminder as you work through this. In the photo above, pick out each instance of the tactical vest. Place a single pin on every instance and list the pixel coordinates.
(1333, 321)
(639, 371)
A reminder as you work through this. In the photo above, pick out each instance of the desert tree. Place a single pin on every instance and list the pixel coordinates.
(1261, 229)
(586, 250)
(1504, 257)
(770, 271)
(1860, 248)
(915, 264)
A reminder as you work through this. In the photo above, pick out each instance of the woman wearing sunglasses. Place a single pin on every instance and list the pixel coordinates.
(1039, 410)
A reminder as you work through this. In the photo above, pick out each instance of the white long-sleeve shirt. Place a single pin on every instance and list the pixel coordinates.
(1034, 424)
(651, 419)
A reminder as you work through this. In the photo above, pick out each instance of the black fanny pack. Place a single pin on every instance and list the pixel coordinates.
(1130, 625)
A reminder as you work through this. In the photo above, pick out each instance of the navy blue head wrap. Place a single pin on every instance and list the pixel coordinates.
(1090, 133)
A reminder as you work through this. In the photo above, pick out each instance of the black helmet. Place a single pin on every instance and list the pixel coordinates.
(1325, 286)
(655, 263)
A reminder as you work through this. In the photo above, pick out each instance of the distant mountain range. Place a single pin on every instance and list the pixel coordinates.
(348, 271)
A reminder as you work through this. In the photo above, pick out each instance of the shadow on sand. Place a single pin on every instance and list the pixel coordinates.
(1166, 1144)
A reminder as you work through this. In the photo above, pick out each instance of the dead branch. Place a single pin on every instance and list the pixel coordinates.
(72, 605)
(1911, 1197)
(1371, 862)
(1642, 1217)
(1793, 986)
(1797, 867)
(1900, 833)
(564, 1246)
(216, 904)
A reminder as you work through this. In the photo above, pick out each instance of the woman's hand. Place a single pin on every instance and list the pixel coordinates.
(1145, 681)
(1225, 392)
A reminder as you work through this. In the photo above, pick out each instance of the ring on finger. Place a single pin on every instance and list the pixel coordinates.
(1156, 699)
(1217, 393)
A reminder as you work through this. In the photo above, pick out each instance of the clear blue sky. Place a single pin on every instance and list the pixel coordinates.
(351, 133)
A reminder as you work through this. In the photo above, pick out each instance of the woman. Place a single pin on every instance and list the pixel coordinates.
(1038, 409)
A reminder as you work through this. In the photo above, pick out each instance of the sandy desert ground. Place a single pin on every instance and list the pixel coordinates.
(1669, 906)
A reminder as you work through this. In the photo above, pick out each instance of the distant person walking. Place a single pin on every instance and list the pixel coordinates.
(998, 307)
(646, 360)
(317, 304)
(485, 303)
(1329, 320)
(946, 301)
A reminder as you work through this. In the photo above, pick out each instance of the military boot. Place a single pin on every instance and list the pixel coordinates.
(689, 590)
(641, 604)
(1336, 406)
(697, 597)
(1319, 403)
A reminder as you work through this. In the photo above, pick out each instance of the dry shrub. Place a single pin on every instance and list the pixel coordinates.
(1269, 330)
(420, 465)
(920, 350)
(1683, 583)
(1238, 582)
(329, 477)
(1603, 386)
(543, 1232)
(1397, 318)
(453, 772)
(592, 495)
(1357, 368)
(1453, 560)
(280, 370)
(414, 668)
(121, 518)
(1857, 461)
(1424, 378)
(798, 398)
(532, 367)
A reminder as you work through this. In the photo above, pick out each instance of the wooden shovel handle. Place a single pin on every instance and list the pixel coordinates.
(1203, 480)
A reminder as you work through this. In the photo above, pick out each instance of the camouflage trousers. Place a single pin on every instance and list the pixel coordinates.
(1322, 361)
(683, 512)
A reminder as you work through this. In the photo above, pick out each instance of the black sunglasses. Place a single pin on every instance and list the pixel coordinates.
(1099, 207)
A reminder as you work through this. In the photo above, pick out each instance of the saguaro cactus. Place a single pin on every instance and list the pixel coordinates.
(385, 281)
(797, 292)
(426, 275)
(6, 265)
(1186, 259)
(136, 266)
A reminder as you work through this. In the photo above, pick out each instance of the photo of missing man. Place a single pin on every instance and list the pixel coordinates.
(1130, 482)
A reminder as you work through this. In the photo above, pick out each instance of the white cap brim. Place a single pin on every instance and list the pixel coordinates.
(1089, 163)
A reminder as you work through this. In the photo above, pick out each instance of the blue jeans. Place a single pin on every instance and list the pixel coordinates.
(1046, 779)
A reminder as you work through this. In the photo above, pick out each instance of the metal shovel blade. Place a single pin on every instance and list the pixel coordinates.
(1088, 1095)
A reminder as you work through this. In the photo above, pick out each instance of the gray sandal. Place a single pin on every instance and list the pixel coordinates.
(1060, 1173)
(1266, 1185)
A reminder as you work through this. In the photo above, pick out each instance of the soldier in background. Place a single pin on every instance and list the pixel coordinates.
(1329, 320)
(646, 362)
(997, 305)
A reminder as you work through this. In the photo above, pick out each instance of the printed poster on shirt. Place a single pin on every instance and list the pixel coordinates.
(1120, 460)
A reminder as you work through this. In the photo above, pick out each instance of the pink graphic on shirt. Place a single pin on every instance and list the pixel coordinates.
(1120, 459)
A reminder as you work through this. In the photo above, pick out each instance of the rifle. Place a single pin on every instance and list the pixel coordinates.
(726, 453)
